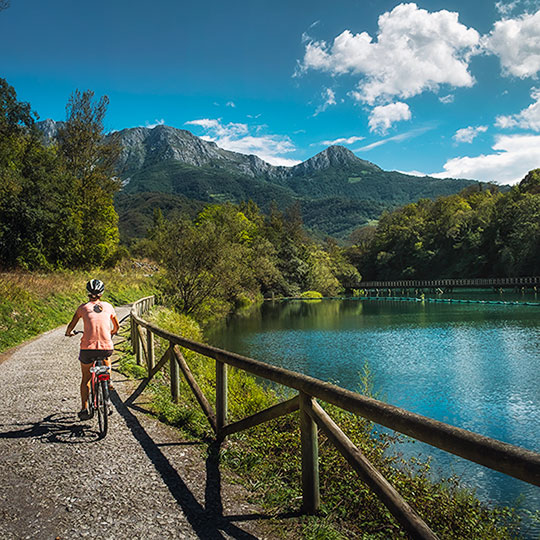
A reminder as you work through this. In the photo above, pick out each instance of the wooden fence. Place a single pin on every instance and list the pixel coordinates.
(506, 458)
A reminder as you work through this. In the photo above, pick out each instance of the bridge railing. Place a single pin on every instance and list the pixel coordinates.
(506, 458)
(434, 283)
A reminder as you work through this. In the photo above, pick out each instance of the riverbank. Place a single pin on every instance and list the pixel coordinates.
(269, 455)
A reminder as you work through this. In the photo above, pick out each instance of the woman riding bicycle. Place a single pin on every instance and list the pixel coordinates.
(100, 324)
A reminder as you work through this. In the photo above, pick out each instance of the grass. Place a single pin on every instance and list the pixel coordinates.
(267, 460)
(33, 303)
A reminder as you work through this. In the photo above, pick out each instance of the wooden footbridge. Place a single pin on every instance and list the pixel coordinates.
(450, 284)
(506, 458)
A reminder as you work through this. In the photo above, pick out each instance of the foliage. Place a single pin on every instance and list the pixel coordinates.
(477, 233)
(90, 159)
(311, 294)
(230, 255)
(56, 206)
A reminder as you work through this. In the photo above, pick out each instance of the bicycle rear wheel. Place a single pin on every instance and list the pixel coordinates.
(102, 408)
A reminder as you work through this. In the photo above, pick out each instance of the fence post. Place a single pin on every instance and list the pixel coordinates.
(310, 457)
(135, 343)
(175, 376)
(221, 395)
(150, 349)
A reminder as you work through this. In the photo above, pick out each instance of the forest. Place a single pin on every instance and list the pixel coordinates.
(476, 233)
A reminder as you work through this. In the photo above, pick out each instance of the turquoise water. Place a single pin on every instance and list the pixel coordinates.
(476, 366)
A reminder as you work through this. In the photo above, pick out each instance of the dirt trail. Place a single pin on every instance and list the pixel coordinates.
(57, 480)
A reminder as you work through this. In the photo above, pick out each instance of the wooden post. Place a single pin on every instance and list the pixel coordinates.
(175, 377)
(150, 350)
(221, 395)
(310, 457)
(135, 343)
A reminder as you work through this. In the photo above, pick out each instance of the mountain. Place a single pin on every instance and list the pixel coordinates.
(337, 190)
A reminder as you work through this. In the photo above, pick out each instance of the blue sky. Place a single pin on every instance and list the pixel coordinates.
(448, 88)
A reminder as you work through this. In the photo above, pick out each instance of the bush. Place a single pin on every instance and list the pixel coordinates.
(311, 294)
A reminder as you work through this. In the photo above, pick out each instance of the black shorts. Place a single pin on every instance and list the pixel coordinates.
(87, 356)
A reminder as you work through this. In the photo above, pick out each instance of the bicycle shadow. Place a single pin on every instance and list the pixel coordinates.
(208, 521)
(54, 428)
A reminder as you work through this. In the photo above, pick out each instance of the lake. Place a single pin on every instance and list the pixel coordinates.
(472, 365)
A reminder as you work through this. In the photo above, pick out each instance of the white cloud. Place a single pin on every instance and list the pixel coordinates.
(382, 117)
(468, 134)
(231, 104)
(505, 7)
(447, 99)
(414, 173)
(513, 157)
(396, 138)
(218, 129)
(517, 44)
(329, 99)
(528, 118)
(237, 138)
(342, 140)
(156, 123)
(415, 51)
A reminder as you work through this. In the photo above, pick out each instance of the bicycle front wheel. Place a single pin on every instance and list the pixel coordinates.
(102, 408)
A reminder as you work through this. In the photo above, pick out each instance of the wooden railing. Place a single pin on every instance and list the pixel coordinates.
(443, 283)
(506, 458)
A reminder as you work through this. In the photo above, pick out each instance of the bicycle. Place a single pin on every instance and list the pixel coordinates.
(99, 396)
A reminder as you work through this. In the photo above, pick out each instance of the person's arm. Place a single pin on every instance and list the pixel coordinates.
(72, 324)
(116, 325)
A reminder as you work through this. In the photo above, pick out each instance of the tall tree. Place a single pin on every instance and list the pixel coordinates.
(90, 159)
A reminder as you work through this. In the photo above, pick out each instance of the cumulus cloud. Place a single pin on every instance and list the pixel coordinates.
(415, 51)
(513, 157)
(382, 117)
(342, 140)
(238, 138)
(517, 44)
(329, 98)
(231, 104)
(155, 123)
(528, 118)
(468, 134)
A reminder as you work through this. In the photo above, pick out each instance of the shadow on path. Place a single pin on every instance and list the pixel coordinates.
(55, 428)
(208, 523)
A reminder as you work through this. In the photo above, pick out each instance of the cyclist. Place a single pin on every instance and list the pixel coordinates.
(100, 324)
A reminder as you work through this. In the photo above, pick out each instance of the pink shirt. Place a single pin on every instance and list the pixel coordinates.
(97, 325)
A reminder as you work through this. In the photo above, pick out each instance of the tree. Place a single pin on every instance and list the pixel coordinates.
(90, 160)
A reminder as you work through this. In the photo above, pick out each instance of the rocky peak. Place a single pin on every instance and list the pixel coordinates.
(333, 157)
(49, 129)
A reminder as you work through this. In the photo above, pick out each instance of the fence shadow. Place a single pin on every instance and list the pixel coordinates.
(207, 521)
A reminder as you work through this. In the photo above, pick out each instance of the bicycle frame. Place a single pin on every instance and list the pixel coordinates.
(99, 393)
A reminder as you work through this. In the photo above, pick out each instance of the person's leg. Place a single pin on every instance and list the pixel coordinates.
(107, 361)
(85, 384)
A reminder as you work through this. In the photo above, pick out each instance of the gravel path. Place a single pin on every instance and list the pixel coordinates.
(57, 480)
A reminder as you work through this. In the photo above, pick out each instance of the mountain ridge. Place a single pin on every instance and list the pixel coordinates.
(337, 190)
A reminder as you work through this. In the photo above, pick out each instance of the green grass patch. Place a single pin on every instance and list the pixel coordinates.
(33, 303)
